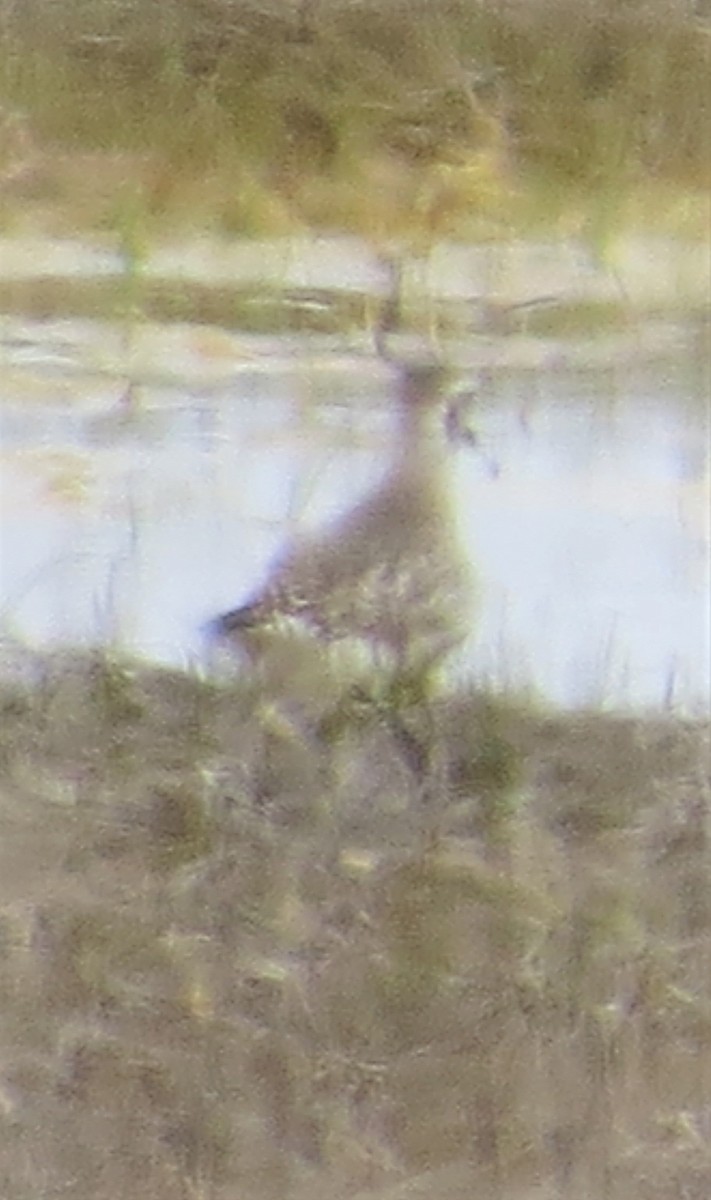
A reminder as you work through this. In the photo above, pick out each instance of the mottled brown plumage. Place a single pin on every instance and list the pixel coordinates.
(389, 576)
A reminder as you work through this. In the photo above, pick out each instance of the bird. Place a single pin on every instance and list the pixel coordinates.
(385, 590)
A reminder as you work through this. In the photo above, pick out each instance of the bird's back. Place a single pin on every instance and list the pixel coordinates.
(390, 574)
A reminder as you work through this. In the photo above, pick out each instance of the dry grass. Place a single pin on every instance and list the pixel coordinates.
(381, 118)
(241, 958)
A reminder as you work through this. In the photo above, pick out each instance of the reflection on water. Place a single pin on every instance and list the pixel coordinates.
(137, 524)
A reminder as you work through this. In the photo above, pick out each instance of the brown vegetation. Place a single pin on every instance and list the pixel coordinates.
(436, 949)
(423, 119)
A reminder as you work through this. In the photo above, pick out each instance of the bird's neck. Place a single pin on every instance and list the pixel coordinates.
(422, 443)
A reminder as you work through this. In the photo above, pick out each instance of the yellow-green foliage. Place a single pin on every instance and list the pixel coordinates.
(296, 107)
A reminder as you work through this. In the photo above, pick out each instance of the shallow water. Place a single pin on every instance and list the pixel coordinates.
(136, 519)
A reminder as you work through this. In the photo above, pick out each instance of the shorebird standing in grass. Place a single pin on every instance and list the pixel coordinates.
(384, 593)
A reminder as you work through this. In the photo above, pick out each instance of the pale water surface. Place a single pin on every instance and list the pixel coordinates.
(137, 521)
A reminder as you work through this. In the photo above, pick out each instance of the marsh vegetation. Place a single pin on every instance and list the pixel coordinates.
(244, 958)
(385, 119)
(435, 945)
